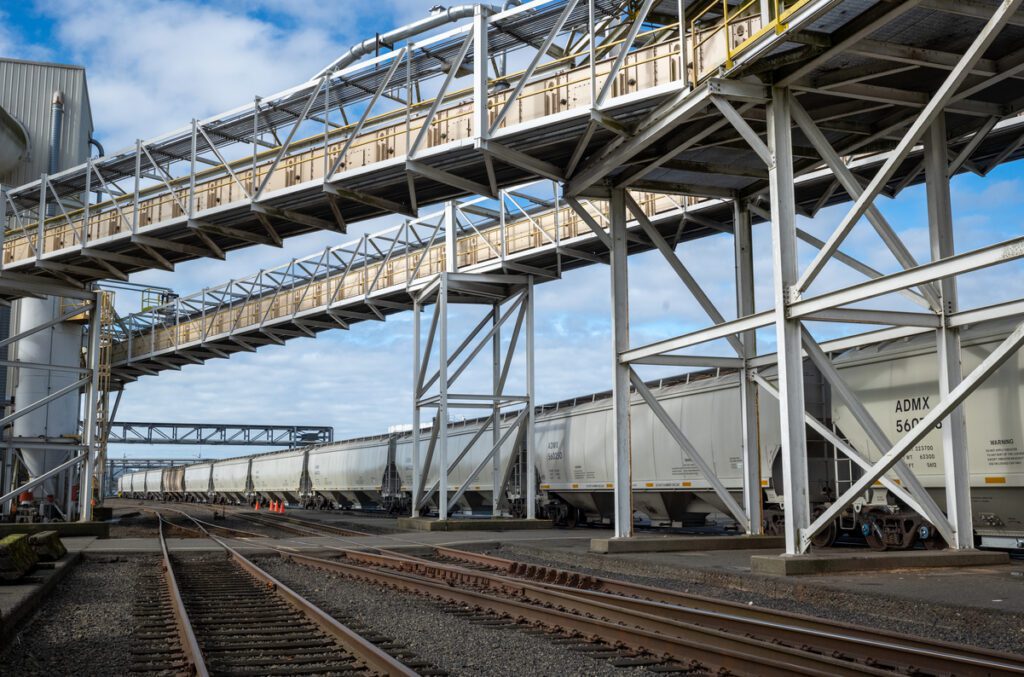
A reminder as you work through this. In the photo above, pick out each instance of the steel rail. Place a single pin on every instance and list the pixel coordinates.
(694, 644)
(364, 651)
(189, 644)
(635, 592)
(671, 619)
(245, 534)
(299, 526)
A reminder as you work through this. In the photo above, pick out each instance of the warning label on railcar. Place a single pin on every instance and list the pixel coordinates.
(1004, 452)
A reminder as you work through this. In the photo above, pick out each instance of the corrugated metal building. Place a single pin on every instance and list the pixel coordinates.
(26, 95)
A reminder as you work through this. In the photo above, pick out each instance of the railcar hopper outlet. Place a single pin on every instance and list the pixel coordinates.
(632, 126)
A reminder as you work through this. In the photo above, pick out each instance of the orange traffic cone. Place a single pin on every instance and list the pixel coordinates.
(281, 508)
(257, 504)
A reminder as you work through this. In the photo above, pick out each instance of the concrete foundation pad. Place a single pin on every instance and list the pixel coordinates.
(63, 529)
(501, 524)
(838, 562)
(611, 546)
(19, 599)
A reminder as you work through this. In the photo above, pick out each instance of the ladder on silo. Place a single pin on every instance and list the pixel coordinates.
(107, 318)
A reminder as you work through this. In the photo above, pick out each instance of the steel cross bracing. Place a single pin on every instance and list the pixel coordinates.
(85, 455)
(928, 99)
(369, 139)
(847, 79)
(221, 434)
(315, 156)
(530, 228)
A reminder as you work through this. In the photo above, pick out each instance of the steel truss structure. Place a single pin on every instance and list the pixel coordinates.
(660, 122)
(507, 301)
(219, 434)
(87, 454)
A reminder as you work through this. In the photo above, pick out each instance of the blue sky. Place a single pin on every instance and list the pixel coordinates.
(153, 66)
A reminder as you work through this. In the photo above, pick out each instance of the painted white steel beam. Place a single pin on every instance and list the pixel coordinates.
(787, 329)
(680, 270)
(656, 125)
(852, 185)
(943, 96)
(927, 506)
(691, 451)
(743, 255)
(719, 331)
(947, 342)
(955, 398)
(622, 460)
(1002, 252)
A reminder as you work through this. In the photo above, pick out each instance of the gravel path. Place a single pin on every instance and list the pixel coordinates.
(964, 625)
(85, 625)
(453, 643)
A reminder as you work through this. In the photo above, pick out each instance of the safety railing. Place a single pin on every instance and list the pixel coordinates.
(372, 266)
(651, 59)
(720, 31)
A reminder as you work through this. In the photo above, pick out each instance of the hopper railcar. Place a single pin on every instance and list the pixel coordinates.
(896, 382)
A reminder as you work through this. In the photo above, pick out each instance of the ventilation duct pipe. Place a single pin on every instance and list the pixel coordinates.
(439, 16)
(56, 129)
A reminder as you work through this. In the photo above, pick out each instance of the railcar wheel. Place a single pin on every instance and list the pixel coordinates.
(826, 538)
(872, 537)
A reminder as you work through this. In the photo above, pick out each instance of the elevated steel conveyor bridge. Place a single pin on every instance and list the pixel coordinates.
(711, 114)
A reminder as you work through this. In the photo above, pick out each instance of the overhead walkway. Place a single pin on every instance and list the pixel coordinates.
(365, 140)
(524, 230)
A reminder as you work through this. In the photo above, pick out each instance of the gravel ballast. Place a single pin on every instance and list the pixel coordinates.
(1000, 631)
(452, 643)
(85, 626)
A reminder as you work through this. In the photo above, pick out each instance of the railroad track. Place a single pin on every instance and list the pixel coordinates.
(299, 526)
(199, 525)
(686, 632)
(232, 617)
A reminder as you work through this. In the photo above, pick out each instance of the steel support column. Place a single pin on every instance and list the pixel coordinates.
(622, 460)
(787, 331)
(748, 389)
(442, 404)
(496, 386)
(947, 339)
(531, 441)
(90, 437)
(417, 476)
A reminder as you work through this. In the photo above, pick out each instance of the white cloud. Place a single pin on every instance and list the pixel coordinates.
(155, 65)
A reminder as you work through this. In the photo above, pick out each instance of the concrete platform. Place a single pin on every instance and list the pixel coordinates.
(843, 561)
(65, 529)
(500, 524)
(18, 600)
(684, 543)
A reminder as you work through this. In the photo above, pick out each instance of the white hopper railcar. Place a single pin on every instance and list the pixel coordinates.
(153, 483)
(279, 476)
(231, 480)
(198, 482)
(353, 474)
(898, 384)
(896, 381)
